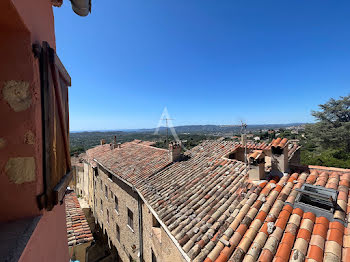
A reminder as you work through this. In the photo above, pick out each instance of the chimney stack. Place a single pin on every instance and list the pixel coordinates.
(244, 139)
(115, 140)
(257, 165)
(102, 142)
(279, 156)
(175, 151)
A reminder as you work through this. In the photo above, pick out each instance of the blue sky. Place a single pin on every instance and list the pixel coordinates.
(207, 61)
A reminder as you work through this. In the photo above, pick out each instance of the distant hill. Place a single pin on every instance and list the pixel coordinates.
(218, 128)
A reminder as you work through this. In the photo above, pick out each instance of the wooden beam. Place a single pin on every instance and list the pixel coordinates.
(60, 188)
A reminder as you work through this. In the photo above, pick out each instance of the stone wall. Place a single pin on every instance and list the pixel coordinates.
(156, 240)
(127, 198)
(79, 180)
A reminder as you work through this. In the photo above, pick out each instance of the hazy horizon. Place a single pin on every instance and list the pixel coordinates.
(208, 62)
(148, 128)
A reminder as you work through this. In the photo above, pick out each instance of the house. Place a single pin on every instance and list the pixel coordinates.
(211, 206)
(34, 148)
(116, 205)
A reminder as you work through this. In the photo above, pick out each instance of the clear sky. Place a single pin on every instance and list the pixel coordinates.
(207, 61)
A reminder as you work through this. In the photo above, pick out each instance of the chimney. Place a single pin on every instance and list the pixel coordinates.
(257, 165)
(174, 151)
(279, 156)
(243, 139)
(102, 142)
(115, 140)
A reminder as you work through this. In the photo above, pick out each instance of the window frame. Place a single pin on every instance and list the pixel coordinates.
(117, 230)
(116, 204)
(130, 223)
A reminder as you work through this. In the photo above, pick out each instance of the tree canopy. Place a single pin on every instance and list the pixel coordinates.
(333, 126)
(328, 140)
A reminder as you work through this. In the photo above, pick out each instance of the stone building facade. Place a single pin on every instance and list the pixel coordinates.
(116, 211)
(205, 206)
(124, 217)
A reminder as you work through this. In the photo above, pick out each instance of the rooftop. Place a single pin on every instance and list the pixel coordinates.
(78, 230)
(133, 161)
(216, 214)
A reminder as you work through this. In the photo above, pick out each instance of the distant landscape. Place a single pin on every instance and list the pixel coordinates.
(326, 142)
(191, 135)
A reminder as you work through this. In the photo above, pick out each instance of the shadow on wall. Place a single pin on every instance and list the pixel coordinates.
(98, 250)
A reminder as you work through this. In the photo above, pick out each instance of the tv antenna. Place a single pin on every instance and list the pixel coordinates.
(244, 140)
(167, 129)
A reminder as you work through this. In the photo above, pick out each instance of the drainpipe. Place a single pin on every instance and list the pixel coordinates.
(140, 227)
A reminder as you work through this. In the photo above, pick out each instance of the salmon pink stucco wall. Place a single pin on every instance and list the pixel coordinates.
(22, 23)
(46, 242)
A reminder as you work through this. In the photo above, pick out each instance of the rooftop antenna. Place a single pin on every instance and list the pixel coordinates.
(167, 129)
(244, 139)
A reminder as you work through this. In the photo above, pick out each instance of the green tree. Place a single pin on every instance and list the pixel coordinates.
(333, 127)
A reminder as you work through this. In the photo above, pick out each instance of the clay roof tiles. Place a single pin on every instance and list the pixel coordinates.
(78, 230)
(280, 232)
(133, 161)
(216, 214)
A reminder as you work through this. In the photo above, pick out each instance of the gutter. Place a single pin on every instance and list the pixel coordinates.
(185, 256)
(140, 228)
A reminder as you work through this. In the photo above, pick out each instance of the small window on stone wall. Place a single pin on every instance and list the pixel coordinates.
(116, 204)
(130, 219)
(117, 229)
(154, 259)
(101, 205)
(106, 191)
(107, 216)
(155, 222)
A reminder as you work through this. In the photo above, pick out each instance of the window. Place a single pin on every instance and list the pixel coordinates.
(55, 115)
(316, 199)
(106, 191)
(154, 259)
(130, 258)
(101, 205)
(155, 222)
(117, 230)
(116, 204)
(130, 219)
(107, 216)
(95, 171)
(101, 184)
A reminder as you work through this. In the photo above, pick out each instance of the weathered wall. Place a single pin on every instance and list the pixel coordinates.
(163, 247)
(23, 23)
(90, 186)
(295, 160)
(126, 199)
(49, 239)
(79, 180)
(86, 181)
(280, 161)
(20, 106)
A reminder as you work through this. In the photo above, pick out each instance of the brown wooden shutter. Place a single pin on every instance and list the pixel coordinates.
(55, 125)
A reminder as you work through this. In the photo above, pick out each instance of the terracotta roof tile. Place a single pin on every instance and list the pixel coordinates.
(78, 230)
(208, 200)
